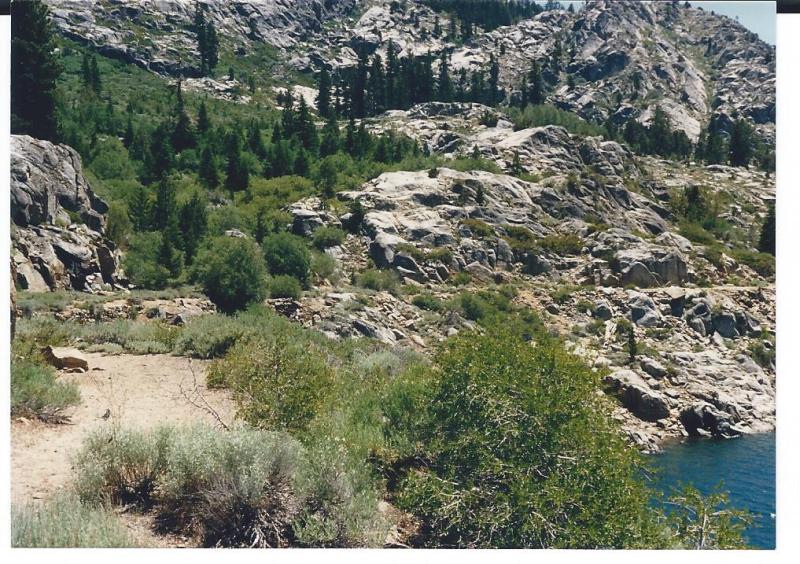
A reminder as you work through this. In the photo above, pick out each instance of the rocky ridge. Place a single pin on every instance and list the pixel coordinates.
(59, 223)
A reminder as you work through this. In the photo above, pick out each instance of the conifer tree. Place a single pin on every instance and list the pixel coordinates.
(766, 242)
(350, 137)
(261, 227)
(741, 148)
(392, 75)
(34, 71)
(302, 163)
(494, 78)
(330, 138)
(183, 135)
(536, 84)
(255, 141)
(166, 207)
(207, 172)
(324, 96)
(140, 210)
(444, 85)
(96, 82)
(305, 128)
(376, 87)
(193, 221)
(358, 92)
(203, 121)
(127, 139)
(237, 174)
(161, 154)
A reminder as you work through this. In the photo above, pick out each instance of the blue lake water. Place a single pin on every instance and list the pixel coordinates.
(746, 466)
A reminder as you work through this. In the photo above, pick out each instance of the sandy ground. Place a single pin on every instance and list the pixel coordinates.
(139, 391)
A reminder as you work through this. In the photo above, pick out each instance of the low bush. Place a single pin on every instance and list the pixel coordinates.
(279, 382)
(65, 522)
(762, 263)
(288, 255)
(232, 273)
(36, 392)
(521, 452)
(428, 302)
(567, 245)
(478, 228)
(325, 237)
(378, 280)
(284, 287)
(209, 336)
(323, 267)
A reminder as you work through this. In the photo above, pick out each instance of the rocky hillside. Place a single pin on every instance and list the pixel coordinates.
(648, 267)
(58, 233)
(624, 57)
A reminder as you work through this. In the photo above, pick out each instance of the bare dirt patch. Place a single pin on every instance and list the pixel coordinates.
(130, 391)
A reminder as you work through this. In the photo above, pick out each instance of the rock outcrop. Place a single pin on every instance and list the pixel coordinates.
(58, 235)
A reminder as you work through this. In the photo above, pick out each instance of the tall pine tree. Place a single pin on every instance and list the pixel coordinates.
(34, 71)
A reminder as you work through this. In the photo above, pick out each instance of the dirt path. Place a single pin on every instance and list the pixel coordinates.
(139, 392)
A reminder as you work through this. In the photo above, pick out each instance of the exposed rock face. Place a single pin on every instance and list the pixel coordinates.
(48, 196)
(158, 34)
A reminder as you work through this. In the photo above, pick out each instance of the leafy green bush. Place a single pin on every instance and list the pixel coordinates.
(284, 287)
(545, 114)
(568, 245)
(232, 273)
(209, 336)
(36, 392)
(325, 237)
(231, 488)
(762, 263)
(121, 466)
(288, 255)
(478, 228)
(378, 280)
(278, 383)
(323, 267)
(521, 452)
(467, 164)
(65, 522)
(428, 302)
(141, 262)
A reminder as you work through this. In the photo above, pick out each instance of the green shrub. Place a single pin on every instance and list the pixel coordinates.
(467, 164)
(209, 336)
(762, 263)
(284, 287)
(288, 255)
(141, 262)
(428, 302)
(232, 273)
(231, 489)
(523, 453)
(567, 245)
(378, 280)
(121, 466)
(325, 237)
(36, 391)
(478, 228)
(460, 279)
(545, 114)
(323, 267)
(765, 357)
(278, 383)
(65, 522)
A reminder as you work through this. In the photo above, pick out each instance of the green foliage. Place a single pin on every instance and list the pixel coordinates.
(522, 453)
(284, 287)
(702, 522)
(762, 263)
(766, 240)
(279, 382)
(64, 522)
(568, 245)
(468, 164)
(34, 71)
(231, 272)
(378, 280)
(325, 237)
(288, 255)
(141, 262)
(118, 224)
(36, 392)
(478, 228)
(545, 114)
(428, 302)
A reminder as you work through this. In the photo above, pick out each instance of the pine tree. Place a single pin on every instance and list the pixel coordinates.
(324, 95)
(255, 141)
(261, 227)
(203, 121)
(140, 210)
(211, 52)
(168, 256)
(660, 133)
(766, 242)
(350, 137)
(161, 154)
(437, 28)
(741, 148)
(183, 134)
(207, 172)
(193, 225)
(358, 89)
(494, 81)
(444, 85)
(237, 175)
(96, 82)
(302, 163)
(305, 128)
(392, 74)
(330, 138)
(127, 139)
(536, 84)
(166, 207)
(376, 88)
(34, 71)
